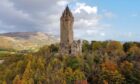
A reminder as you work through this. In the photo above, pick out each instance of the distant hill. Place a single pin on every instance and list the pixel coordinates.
(26, 40)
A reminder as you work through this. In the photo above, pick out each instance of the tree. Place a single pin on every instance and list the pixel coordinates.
(4, 82)
(17, 80)
(72, 75)
(126, 67)
(54, 47)
(131, 74)
(127, 46)
(30, 81)
(28, 72)
(74, 62)
(45, 50)
(114, 45)
(110, 73)
(79, 75)
(99, 46)
(85, 46)
(96, 46)
(134, 53)
(134, 50)
(23, 81)
(115, 51)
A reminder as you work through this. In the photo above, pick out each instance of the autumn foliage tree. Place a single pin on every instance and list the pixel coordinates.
(101, 62)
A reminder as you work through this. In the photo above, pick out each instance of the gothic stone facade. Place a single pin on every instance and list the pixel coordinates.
(67, 44)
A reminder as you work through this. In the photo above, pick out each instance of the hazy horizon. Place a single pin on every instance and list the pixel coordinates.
(75, 38)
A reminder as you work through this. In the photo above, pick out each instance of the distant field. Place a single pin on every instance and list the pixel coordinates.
(4, 54)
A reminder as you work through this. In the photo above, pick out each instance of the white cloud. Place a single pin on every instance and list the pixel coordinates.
(44, 16)
(86, 18)
(84, 7)
(62, 3)
(91, 32)
(102, 34)
(86, 22)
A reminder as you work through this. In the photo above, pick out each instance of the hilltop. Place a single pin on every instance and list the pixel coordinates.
(26, 40)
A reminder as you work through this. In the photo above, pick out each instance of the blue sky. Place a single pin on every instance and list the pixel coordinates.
(94, 19)
(125, 21)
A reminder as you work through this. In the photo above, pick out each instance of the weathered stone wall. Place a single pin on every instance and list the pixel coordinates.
(76, 48)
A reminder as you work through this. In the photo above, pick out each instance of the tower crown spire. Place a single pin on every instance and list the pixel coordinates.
(67, 8)
(67, 12)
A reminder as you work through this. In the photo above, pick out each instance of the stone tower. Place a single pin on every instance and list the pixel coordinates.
(66, 33)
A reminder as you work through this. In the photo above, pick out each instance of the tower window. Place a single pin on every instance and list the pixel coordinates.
(70, 51)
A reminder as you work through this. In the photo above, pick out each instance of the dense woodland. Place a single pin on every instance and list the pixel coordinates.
(108, 62)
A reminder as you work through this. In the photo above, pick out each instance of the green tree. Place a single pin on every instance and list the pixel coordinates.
(96, 46)
(72, 75)
(54, 48)
(73, 62)
(127, 46)
(85, 46)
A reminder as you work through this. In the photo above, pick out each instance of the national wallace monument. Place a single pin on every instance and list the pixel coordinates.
(67, 44)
